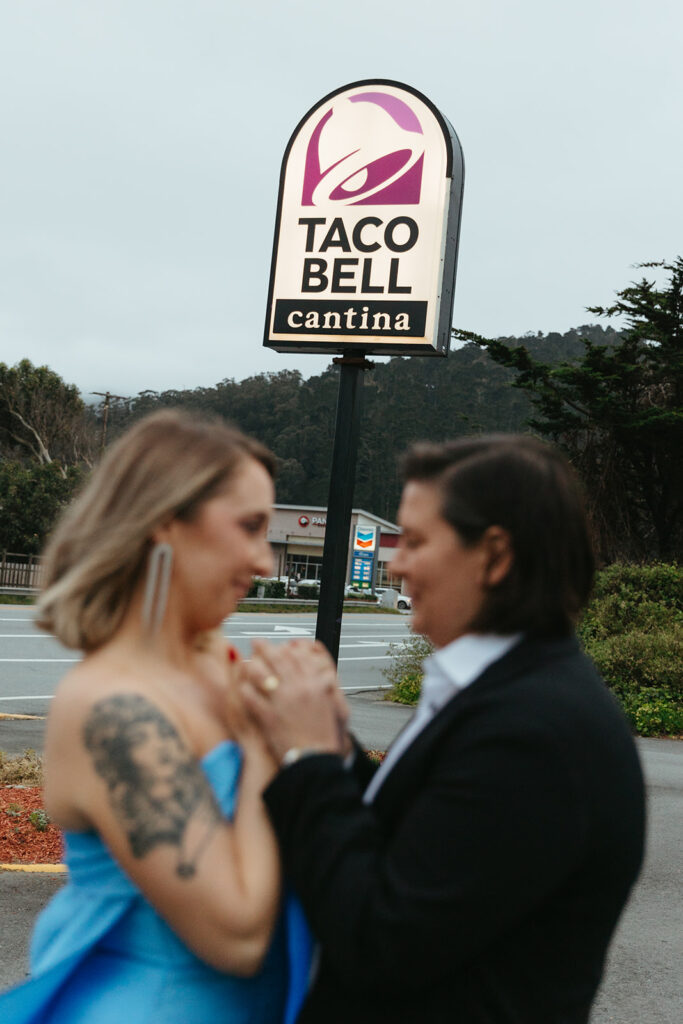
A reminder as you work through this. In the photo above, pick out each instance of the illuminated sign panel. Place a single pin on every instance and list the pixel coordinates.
(365, 538)
(367, 226)
(363, 556)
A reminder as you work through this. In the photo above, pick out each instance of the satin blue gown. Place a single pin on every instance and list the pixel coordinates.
(101, 954)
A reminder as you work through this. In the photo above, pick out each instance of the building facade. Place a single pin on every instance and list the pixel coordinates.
(297, 537)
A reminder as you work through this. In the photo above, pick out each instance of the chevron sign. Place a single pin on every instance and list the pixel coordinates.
(364, 538)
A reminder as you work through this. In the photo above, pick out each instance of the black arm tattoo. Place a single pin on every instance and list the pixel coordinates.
(156, 786)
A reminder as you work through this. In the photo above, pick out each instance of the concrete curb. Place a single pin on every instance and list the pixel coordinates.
(36, 869)
(22, 718)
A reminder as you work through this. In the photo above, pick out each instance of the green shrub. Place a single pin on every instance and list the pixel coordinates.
(661, 582)
(660, 716)
(640, 659)
(633, 631)
(39, 820)
(407, 690)
(405, 669)
(273, 589)
(308, 591)
(618, 613)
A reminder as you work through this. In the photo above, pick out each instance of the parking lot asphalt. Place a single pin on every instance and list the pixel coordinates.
(641, 983)
(642, 979)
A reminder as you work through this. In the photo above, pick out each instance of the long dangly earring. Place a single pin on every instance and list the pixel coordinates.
(156, 588)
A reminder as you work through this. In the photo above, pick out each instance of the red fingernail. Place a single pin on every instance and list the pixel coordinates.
(232, 654)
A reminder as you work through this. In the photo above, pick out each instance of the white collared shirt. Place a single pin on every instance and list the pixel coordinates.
(446, 672)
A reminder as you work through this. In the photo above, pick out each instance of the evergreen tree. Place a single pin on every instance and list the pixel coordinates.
(618, 413)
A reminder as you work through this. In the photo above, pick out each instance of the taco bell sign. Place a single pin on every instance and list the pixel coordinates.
(368, 219)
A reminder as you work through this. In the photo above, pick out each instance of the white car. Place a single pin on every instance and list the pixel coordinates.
(403, 602)
(294, 585)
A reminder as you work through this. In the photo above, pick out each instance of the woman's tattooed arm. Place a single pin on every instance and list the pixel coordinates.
(158, 790)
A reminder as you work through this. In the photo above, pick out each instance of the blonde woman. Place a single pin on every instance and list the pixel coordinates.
(172, 908)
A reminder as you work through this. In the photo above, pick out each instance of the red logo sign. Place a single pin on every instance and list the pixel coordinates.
(304, 520)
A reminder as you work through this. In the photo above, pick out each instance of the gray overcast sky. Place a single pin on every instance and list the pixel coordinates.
(141, 143)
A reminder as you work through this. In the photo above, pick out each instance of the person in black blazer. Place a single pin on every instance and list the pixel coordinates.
(478, 877)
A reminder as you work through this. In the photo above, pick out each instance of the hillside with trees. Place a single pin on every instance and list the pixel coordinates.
(613, 400)
(404, 400)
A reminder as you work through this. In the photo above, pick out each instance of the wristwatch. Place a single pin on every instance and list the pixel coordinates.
(295, 754)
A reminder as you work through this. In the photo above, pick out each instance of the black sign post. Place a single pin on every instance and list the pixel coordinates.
(340, 501)
(364, 261)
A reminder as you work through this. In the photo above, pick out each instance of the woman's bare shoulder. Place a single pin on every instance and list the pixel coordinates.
(93, 699)
(80, 690)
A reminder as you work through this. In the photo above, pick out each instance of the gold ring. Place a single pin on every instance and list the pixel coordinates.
(270, 684)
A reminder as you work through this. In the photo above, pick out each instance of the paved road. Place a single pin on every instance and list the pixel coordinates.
(32, 663)
(642, 984)
(642, 981)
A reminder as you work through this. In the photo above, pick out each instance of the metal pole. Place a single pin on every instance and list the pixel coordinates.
(107, 396)
(340, 502)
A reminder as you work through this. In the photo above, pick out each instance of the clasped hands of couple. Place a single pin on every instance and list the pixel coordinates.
(289, 697)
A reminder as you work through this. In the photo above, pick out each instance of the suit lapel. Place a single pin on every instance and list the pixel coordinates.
(406, 775)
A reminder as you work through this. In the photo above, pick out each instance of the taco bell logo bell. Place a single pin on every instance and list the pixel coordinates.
(367, 226)
(347, 165)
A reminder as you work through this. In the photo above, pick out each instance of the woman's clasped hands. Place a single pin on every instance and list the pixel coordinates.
(292, 693)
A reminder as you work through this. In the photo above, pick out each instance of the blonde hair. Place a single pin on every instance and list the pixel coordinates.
(163, 468)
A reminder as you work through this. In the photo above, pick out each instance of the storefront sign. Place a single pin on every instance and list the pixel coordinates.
(305, 521)
(367, 226)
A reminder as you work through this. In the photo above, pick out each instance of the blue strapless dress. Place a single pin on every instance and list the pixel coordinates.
(101, 954)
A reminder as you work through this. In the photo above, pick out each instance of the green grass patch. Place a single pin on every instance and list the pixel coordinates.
(310, 607)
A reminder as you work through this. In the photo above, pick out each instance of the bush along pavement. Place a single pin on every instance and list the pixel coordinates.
(273, 589)
(404, 672)
(633, 631)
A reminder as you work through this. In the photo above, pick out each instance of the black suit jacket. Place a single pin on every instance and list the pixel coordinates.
(485, 880)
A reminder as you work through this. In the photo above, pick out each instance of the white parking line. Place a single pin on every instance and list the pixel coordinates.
(45, 696)
(364, 689)
(367, 643)
(370, 657)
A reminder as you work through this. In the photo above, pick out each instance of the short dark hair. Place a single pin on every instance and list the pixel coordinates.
(529, 489)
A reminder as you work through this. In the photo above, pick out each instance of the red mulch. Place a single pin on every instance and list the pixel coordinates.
(20, 841)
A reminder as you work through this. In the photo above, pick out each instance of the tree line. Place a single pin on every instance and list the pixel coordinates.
(611, 397)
